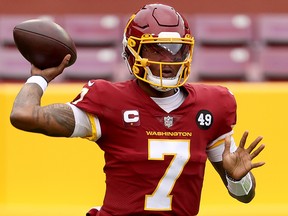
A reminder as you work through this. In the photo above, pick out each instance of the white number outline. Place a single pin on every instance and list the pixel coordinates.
(161, 198)
(84, 91)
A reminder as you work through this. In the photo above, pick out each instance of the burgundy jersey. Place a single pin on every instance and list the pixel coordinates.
(154, 160)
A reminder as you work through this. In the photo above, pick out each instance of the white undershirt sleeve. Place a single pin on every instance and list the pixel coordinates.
(86, 125)
(216, 148)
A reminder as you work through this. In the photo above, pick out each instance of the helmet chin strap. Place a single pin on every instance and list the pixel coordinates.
(165, 81)
(161, 89)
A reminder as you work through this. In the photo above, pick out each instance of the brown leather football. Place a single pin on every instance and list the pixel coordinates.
(44, 43)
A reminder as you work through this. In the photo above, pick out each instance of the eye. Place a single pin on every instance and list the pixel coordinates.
(150, 49)
(154, 52)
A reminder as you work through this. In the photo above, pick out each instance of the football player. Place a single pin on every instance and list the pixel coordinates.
(156, 130)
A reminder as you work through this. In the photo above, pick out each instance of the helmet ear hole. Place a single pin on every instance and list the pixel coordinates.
(131, 42)
(135, 70)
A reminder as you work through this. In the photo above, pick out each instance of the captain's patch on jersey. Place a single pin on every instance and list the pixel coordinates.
(204, 119)
(131, 117)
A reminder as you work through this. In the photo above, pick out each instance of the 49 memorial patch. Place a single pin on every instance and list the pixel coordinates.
(204, 119)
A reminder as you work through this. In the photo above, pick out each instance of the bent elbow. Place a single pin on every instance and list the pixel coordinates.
(20, 120)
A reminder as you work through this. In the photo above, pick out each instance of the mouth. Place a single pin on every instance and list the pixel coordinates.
(168, 74)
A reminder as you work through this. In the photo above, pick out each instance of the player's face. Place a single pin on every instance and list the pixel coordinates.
(165, 53)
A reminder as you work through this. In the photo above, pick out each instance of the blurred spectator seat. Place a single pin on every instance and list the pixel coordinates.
(272, 46)
(272, 29)
(13, 66)
(93, 63)
(221, 63)
(273, 63)
(223, 29)
(93, 30)
(8, 22)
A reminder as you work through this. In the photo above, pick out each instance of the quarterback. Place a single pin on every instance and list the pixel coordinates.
(157, 130)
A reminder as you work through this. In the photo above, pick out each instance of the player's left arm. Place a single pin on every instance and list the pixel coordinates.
(235, 168)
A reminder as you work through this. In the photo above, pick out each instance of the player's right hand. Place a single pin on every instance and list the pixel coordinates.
(50, 73)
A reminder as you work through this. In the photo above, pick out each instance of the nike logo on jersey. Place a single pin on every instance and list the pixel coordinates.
(90, 83)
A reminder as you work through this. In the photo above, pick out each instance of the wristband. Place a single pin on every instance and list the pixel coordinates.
(241, 187)
(39, 80)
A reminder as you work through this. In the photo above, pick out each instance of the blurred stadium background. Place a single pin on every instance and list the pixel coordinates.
(240, 44)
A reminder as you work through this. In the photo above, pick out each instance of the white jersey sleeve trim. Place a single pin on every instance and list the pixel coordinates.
(215, 153)
(86, 125)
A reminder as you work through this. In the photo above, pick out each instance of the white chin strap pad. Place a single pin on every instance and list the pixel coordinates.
(165, 81)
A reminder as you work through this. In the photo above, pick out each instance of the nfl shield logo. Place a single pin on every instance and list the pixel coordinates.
(168, 121)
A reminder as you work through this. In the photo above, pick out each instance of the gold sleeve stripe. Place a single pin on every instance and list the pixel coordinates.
(93, 136)
(219, 142)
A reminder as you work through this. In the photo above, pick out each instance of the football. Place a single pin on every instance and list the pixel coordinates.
(44, 43)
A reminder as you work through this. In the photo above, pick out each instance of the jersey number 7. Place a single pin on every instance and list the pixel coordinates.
(161, 199)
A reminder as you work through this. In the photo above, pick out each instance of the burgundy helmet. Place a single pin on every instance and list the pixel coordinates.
(160, 26)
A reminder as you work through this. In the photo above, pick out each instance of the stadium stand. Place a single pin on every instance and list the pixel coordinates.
(272, 46)
(272, 62)
(13, 65)
(222, 63)
(232, 47)
(93, 30)
(272, 29)
(223, 47)
(93, 63)
(223, 29)
(98, 39)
